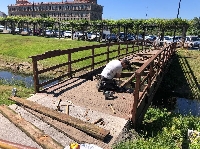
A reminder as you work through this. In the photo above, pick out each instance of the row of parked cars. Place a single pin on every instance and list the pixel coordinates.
(191, 41)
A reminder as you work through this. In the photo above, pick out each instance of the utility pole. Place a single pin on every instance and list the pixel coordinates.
(179, 5)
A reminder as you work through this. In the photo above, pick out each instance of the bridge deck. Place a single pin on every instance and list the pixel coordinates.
(84, 93)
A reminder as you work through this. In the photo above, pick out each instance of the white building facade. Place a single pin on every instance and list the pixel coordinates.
(68, 10)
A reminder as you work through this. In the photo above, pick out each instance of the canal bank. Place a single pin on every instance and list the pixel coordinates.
(167, 123)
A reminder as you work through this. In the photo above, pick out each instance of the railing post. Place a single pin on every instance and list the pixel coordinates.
(127, 47)
(136, 96)
(35, 75)
(133, 44)
(108, 50)
(69, 65)
(150, 77)
(92, 57)
(118, 50)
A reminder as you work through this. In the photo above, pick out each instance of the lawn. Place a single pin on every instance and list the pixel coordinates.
(160, 129)
(21, 47)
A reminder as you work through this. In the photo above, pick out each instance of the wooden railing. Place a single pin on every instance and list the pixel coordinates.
(147, 80)
(111, 50)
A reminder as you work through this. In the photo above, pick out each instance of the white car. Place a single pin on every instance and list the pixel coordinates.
(193, 41)
(67, 34)
(168, 39)
(94, 36)
(2, 28)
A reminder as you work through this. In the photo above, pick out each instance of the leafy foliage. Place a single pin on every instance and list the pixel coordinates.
(163, 130)
(114, 25)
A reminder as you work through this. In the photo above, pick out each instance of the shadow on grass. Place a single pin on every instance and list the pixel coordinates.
(179, 81)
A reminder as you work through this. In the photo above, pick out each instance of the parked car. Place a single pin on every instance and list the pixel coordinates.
(67, 34)
(105, 33)
(150, 38)
(49, 33)
(2, 28)
(94, 37)
(128, 38)
(77, 35)
(193, 41)
(168, 39)
(196, 44)
(57, 33)
(111, 38)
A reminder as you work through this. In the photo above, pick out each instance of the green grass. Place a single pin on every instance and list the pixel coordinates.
(21, 47)
(160, 129)
(184, 75)
(6, 91)
(163, 130)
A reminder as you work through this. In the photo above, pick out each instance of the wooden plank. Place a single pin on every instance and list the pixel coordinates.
(4, 144)
(87, 127)
(128, 80)
(73, 133)
(33, 132)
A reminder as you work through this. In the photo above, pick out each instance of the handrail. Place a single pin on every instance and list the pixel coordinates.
(154, 68)
(122, 49)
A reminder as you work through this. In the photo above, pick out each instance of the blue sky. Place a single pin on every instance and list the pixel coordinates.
(137, 9)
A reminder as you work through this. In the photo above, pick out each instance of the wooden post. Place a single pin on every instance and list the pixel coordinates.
(150, 77)
(29, 129)
(69, 65)
(108, 49)
(133, 42)
(136, 96)
(118, 50)
(93, 57)
(35, 75)
(127, 47)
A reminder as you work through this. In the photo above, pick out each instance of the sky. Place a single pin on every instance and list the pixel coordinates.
(137, 9)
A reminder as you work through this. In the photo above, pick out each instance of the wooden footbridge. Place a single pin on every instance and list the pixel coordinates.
(149, 63)
(92, 114)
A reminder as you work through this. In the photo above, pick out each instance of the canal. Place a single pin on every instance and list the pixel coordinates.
(179, 105)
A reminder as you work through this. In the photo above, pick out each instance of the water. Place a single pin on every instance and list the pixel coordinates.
(186, 106)
(24, 79)
(11, 77)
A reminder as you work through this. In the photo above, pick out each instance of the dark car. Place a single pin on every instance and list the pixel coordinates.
(111, 38)
(128, 38)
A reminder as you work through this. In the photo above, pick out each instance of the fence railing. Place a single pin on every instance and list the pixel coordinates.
(111, 50)
(147, 79)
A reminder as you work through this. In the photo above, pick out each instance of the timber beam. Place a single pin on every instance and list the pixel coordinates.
(86, 127)
(33, 132)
